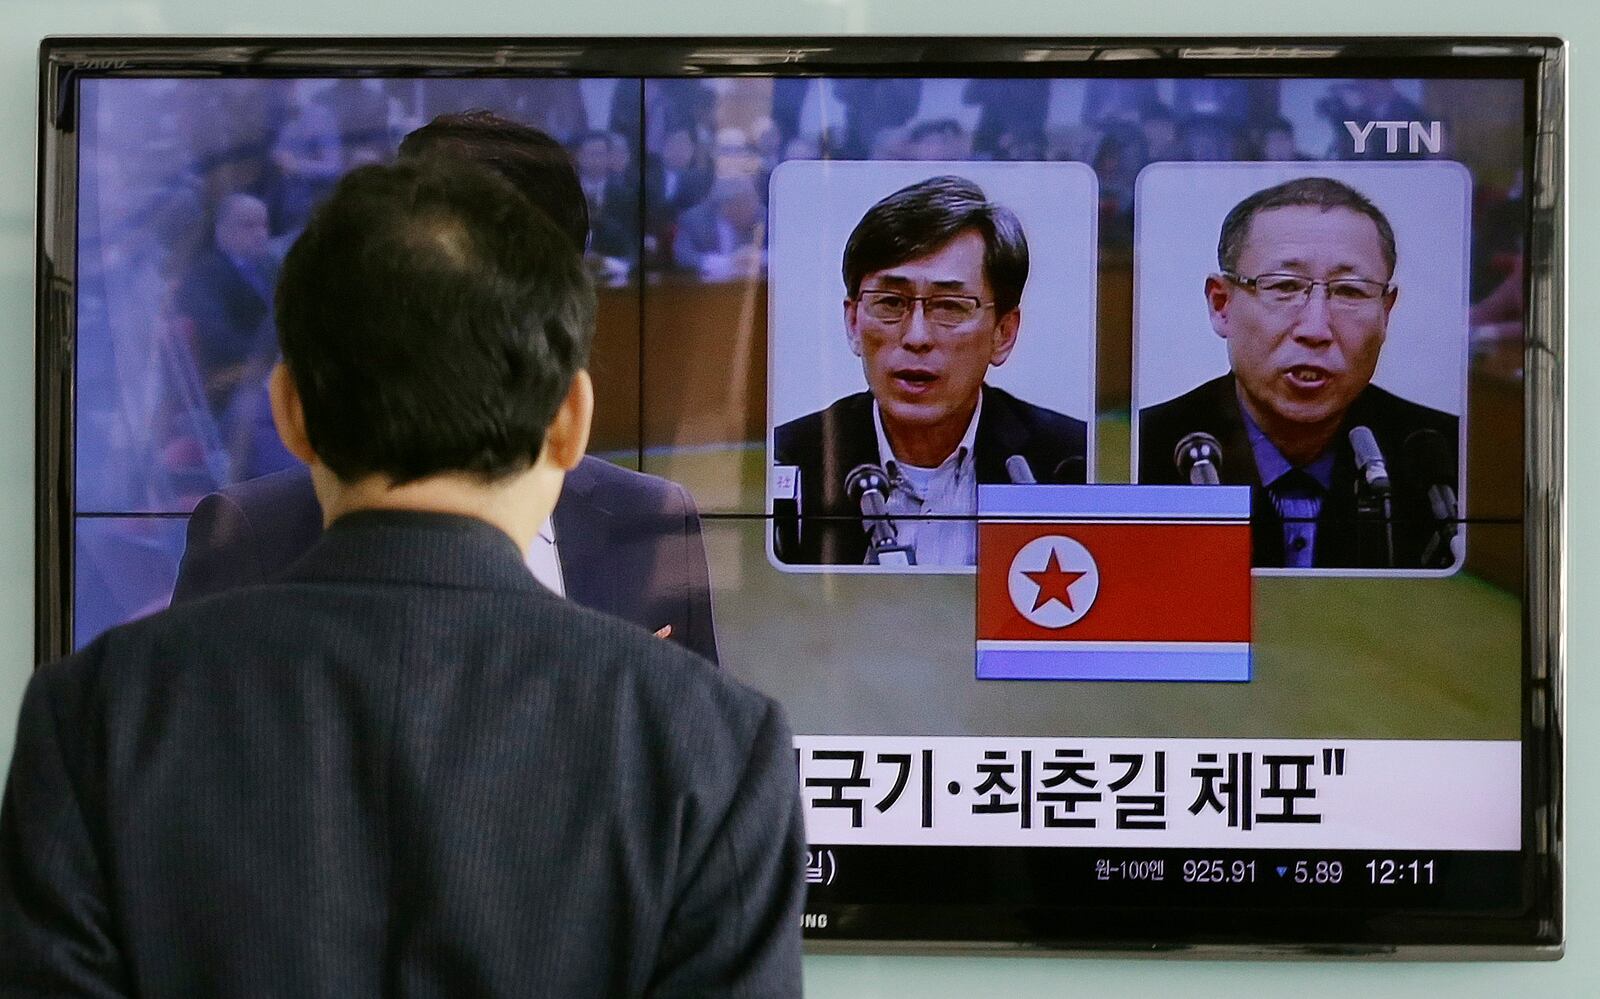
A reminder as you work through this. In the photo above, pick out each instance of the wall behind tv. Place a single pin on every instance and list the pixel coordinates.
(27, 21)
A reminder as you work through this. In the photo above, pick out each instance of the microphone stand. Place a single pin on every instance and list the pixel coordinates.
(885, 547)
(1377, 504)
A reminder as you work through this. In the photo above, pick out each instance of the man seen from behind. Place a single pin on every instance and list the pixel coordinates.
(405, 767)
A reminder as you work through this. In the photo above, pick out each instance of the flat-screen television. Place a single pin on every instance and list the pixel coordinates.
(1136, 465)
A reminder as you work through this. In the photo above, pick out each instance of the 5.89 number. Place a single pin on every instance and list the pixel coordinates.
(1321, 872)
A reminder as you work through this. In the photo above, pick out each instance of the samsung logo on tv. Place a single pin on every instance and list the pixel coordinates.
(814, 921)
(1422, 135)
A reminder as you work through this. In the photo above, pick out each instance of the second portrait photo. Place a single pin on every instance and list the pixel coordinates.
(1302, 329)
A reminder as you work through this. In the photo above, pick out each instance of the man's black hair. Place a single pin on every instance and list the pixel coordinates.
(1323, 193)
(920, 219)
(536, 164)
(432, 320)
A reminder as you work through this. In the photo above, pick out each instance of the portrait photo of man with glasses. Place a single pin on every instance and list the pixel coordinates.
(1346, 474)
(933, 279)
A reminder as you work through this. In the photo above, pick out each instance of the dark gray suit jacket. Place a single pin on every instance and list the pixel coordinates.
(629, 545)
(406, 769)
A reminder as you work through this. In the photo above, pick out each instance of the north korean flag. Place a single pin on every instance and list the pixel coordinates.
(1113, 582)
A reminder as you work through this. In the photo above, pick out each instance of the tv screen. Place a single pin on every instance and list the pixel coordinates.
(1135, 466)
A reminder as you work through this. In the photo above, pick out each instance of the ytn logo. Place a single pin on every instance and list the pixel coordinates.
(1422, 135)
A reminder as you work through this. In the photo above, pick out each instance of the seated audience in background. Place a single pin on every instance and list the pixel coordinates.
(613, 202)
(1277, 142)
(724, 237)
(1011, 108)
(309, 155)
(939, 139)
(675, 180)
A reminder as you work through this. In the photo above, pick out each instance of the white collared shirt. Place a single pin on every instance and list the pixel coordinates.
(544, 561)
(951, 490)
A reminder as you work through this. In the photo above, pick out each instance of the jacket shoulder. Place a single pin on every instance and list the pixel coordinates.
(1199, 403)
(800, 441)
(1044, 426)
(1399, 414)
(283, 491)
(1393, 420)
(1206, 407)
(627, 491)
(248, 532)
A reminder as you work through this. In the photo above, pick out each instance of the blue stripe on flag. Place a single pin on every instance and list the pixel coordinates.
(1115, 502)
(1226, 665)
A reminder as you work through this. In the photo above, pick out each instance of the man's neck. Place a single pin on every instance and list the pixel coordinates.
(1299, 443)
(517, 505)
(927, 445)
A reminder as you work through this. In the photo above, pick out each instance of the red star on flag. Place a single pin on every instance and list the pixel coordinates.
(1053, 583)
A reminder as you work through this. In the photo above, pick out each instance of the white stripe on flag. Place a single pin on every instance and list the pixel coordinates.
(1065, 645)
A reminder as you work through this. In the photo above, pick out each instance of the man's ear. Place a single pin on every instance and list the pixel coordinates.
(1005, 336)
(567, 437)
(1219, 292)
(288, 415)
(850, 327)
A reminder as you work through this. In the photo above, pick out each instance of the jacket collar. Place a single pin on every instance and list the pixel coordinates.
(583, 520)
(404, 546)
(1000, 435)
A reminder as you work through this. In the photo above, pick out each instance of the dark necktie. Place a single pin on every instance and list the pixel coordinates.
(1298, 499)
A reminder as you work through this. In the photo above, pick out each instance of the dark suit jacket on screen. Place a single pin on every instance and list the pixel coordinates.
(406, 769)
(1343, 539)
(827, 444)
(629, 545)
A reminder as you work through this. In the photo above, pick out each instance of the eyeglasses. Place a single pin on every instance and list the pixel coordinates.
(1292, 291)
(892, 307)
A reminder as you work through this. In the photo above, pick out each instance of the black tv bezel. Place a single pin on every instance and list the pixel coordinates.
(1535, 931)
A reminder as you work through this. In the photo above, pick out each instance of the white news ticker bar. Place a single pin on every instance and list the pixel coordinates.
(1392, 794)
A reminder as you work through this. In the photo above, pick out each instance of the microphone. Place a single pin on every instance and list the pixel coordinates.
(1017, 468)
(1070, 472)
(868, 487)
(1375, 475)
(1369, 460)
(1427, 456)
(1199, 459)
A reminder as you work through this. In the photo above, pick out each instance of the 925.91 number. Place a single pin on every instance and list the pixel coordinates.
(1219, 872)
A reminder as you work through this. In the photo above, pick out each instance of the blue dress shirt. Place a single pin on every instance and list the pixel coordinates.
(1297, 493)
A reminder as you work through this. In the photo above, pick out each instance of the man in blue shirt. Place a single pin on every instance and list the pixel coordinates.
(1302, 295)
